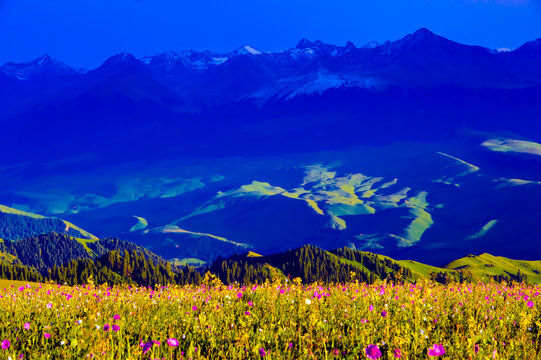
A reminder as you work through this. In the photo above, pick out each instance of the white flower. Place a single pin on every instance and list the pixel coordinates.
(97, 327)
(79, 322)
(62, 342)
(308, 301)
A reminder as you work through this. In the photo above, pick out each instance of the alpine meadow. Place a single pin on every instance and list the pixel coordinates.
(204, 180)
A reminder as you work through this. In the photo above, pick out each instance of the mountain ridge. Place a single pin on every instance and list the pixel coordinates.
(64, 256)
(420, 36)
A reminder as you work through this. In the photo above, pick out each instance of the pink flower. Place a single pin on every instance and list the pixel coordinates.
(47, 335)
(436, 350)
(250, 303)
(384, 313)
(5, 344)
(21, 288)
(530, 304)
(397, 353)
(106, 327)
(372, 352)
(262, 352)
(27, 326)
(115, 327)
(246, 313)
(172, 342)
(116, 317)
(146, 346)
(49, 305)
(476, 348)
(371, 307)
(239, 295)
(194, 308)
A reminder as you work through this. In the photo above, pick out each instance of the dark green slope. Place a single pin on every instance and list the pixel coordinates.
(311, 264)
(45, 251)
(16, 224)
(64, 259)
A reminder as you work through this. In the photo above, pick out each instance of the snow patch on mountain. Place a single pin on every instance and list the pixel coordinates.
(251, 50)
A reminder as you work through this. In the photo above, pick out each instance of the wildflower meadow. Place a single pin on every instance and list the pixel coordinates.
(280, 320)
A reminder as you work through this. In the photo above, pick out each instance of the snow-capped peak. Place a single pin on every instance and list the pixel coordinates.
(42, 66)
(247, 49)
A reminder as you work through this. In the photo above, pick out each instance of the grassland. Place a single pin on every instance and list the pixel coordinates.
(486, 266)
(513, 146)
(273, 321)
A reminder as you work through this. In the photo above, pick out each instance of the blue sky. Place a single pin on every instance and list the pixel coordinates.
(83, 33)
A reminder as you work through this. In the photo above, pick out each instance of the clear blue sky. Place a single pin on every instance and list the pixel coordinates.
(83, 33)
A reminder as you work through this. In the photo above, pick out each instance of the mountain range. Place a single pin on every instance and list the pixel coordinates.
(420, 148)
(248, 97)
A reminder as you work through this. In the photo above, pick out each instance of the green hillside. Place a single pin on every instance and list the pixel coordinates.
(486, 266)
(420, 270)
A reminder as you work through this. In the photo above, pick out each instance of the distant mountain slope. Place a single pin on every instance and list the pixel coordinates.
(166, 103)
(426, 149)
(16, 224)
(176, 244)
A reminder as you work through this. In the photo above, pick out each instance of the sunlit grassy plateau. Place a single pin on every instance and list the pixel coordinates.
(284, 320)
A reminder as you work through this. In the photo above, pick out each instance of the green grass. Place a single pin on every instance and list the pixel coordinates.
(421, 222)
(420, 270)
(84, 242)
(512, 145)
(8, 210)
(485, 266)
(141, 224)
(484, 230)
(190, 261)
(83, 232)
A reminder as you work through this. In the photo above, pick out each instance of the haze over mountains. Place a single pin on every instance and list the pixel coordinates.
(418, 148)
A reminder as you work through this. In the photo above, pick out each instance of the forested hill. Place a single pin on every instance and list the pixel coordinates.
(64, 259)
(310, 264)
(47, 250)
(16, 224)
